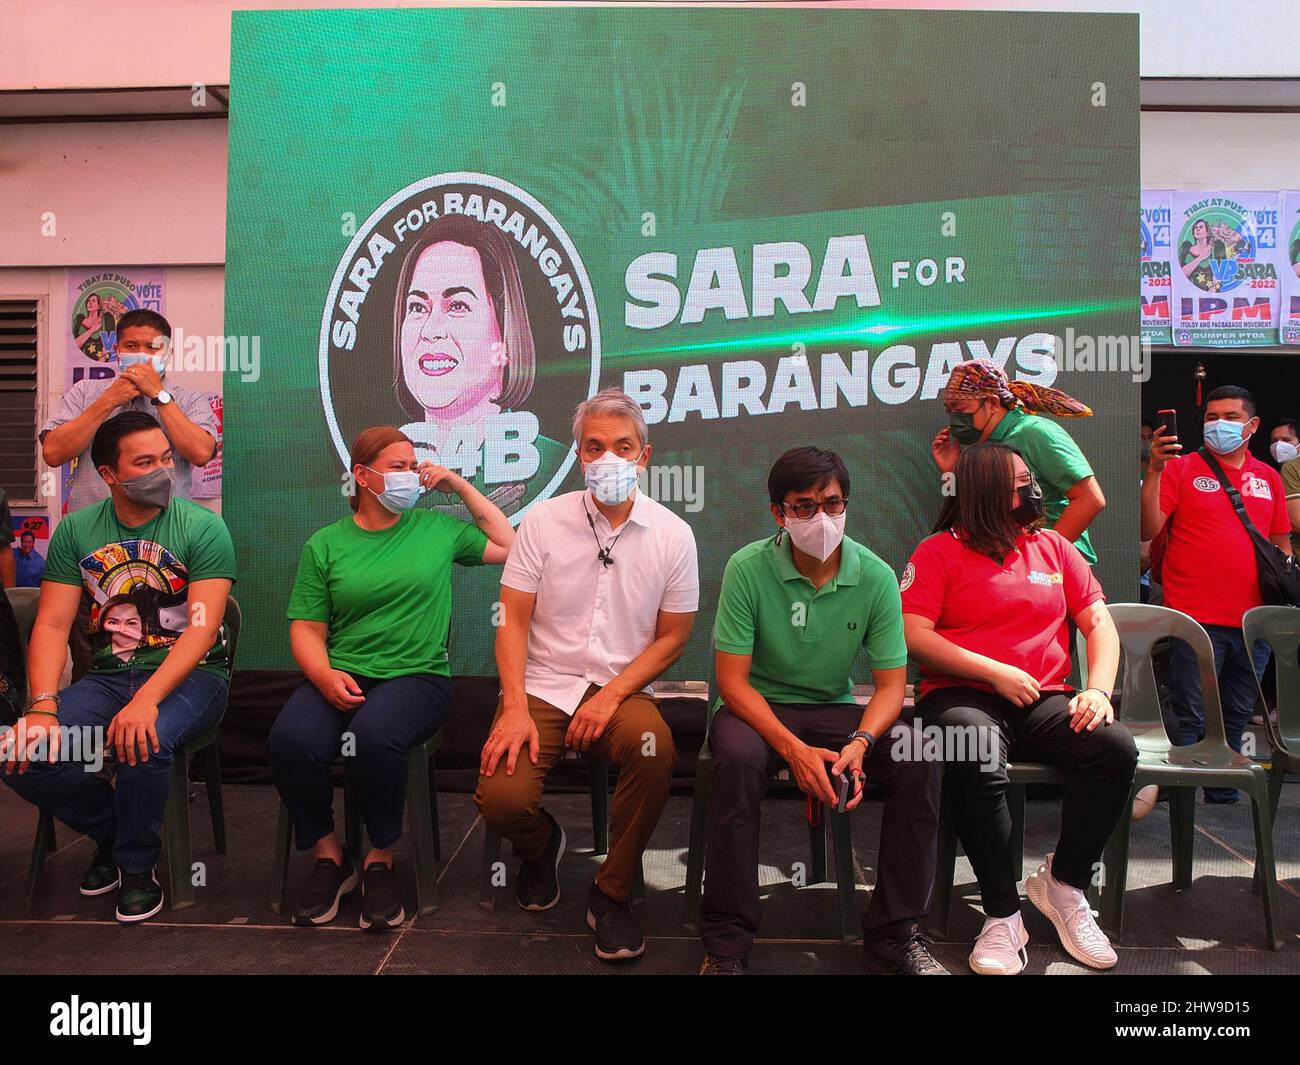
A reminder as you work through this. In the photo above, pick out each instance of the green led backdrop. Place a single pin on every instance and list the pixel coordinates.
(774, 227)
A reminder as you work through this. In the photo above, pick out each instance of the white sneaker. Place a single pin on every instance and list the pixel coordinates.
(1000, 948)
(1067, 908)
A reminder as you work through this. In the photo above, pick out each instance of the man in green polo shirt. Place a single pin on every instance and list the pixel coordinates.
(984, 404)
(793, 613)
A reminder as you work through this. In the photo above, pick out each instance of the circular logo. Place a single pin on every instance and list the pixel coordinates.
(1205, 484)
(909, 575)
(95, 315)
(1212, 243)
(462, 312)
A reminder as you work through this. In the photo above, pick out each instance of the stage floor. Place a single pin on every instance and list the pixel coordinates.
(1216, 926)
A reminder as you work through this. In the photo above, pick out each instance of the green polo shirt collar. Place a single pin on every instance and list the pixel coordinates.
(848, 574)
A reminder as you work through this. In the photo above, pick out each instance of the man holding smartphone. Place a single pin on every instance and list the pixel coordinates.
(1209, 569)
(793, 613)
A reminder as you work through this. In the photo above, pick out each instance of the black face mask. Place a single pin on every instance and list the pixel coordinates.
(1029, 506)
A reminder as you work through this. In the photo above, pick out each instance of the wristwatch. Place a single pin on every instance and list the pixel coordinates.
(162, 397)
(866, 738)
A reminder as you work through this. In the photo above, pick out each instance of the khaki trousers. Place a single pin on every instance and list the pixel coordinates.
(636, 741)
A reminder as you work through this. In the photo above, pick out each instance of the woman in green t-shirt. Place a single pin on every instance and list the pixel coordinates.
(369, 617)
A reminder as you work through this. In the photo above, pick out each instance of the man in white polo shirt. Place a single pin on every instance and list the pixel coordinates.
(599, 594)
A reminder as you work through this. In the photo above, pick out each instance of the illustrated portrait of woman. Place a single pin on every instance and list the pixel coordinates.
(1218, 242)
(464, 353)
(86, 327)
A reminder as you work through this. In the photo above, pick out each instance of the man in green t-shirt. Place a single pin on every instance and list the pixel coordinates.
(793, 613)
(157, 571)
(984, 404)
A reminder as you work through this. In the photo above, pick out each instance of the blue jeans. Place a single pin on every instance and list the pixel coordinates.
(130, 814)
(308, 735)
(1238, 691)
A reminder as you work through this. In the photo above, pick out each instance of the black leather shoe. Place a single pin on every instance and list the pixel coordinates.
(906, 954)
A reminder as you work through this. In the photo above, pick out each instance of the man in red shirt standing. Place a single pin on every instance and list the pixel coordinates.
(1210, 571)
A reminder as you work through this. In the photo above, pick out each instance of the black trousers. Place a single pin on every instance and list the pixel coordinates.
(742, 763)
(1098, 765)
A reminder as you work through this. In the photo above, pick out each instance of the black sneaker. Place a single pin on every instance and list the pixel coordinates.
(381, 901)
(907, 954)
(538, 885)
(141, 897)
(317, 901)
(102, 875)
(618, 934)
(718, 966)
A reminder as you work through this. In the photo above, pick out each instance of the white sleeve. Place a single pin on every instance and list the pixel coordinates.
(523, 566)
(682, 589)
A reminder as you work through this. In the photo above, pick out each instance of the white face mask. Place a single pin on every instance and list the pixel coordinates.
(818, 536)
(1283, 451)
(611, 478)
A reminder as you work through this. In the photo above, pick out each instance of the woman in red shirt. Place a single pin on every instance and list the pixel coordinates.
(986, 601)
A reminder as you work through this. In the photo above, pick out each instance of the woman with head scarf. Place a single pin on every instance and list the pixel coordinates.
(984, 405)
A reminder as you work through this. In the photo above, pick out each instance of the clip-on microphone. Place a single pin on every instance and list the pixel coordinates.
(603, 555)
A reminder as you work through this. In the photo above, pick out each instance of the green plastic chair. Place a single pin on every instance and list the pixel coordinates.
(24, 602)
(1209, 763)
(598, 779)
(828, 821)
(1279, 627)
(179, 883)
(422, 822)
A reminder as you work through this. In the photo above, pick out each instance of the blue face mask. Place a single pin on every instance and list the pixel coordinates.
(401, 490)
(125, 360)
(1223, 437)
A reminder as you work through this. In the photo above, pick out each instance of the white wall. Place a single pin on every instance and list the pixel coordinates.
(116, 193)
(1200, 150)
(181, 42)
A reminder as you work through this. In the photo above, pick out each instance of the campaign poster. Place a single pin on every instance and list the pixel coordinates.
(770, 227)
(1290, 268)
(206, 481)
(1155, 271)
(1225, 266)
(30, 553)
(97, 299)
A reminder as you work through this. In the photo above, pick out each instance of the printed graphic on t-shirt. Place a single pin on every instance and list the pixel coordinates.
(139, 605)
(1048, 579)
(1205, 484)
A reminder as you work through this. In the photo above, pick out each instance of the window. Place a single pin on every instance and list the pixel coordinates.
(18, 399)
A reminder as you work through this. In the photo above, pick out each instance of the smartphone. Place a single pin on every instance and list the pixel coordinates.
(843, 791)
(1169, 419)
